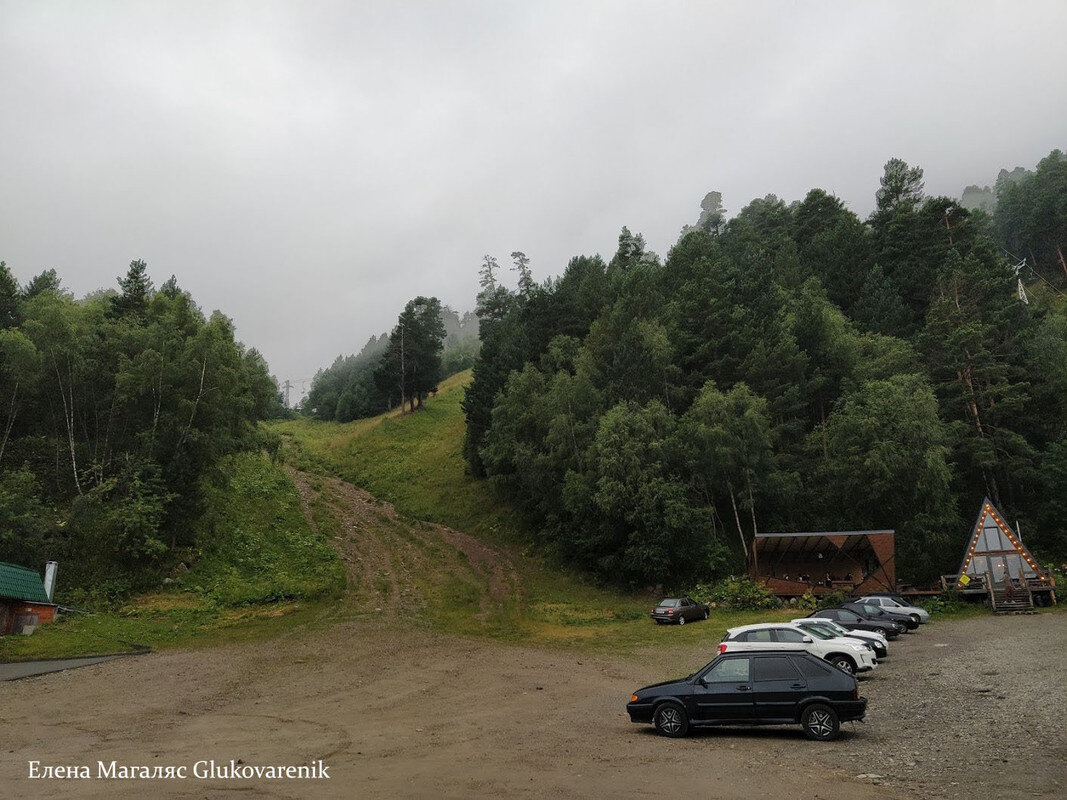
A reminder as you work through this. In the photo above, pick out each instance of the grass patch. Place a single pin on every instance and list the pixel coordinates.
(256, 544)
(262, 570)
(414, 461)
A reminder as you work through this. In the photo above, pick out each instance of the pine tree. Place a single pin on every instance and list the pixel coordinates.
(136, 291)
(10, 315)
(411, 365)
(487, 274)
(522, 266)
(901, 191)
(46, 282)
(879, 308)
(975, 341)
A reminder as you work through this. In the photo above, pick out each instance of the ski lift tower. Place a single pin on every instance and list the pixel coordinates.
(1021, 290)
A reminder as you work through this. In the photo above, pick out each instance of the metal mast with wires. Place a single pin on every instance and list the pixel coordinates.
(1021, 290)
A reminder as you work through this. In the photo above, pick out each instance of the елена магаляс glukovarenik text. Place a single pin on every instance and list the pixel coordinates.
(201, 770)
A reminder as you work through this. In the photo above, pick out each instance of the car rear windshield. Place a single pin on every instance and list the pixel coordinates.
(810, 669)
(668, 603)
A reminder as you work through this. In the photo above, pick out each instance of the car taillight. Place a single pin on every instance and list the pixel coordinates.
(856, 692)
(722, 647)
(670, 610)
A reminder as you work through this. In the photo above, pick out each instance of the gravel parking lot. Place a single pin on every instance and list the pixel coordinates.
(976, 706)
(968, 708)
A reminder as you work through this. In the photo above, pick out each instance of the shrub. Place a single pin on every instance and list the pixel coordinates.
(256, 544)
(832, 600)
(25, 527)
(737, 592)
(946, 602)
(104, 595)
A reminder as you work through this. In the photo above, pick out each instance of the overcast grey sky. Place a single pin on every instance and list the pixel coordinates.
(307, 167)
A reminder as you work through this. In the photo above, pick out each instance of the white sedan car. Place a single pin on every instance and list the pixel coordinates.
(848, 655)
(895, 606)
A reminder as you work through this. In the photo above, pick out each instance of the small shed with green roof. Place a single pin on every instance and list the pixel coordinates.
(24, 603)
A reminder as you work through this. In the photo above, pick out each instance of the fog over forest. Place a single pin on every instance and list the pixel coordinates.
(309, 168)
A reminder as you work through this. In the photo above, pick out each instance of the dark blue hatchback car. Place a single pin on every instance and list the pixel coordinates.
(766, 687)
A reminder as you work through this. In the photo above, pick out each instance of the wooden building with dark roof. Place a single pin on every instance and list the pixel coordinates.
(853, 562)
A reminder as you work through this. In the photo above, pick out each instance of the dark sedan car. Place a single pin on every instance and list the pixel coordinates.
(872, 611)
(858, 622)
(680, 610)
(754, 687)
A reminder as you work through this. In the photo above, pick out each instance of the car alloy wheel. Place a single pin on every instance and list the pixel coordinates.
(706, 613)
(845, 665)
(671, 720)
(681, 620)
(821, 723)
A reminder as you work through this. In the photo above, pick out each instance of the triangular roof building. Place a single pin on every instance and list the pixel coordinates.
(995, 553)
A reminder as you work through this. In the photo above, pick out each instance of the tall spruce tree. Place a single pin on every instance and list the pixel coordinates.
(411, 365)
(10, 314)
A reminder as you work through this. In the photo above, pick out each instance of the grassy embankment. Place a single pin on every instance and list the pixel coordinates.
(262, 571)
(415, 462)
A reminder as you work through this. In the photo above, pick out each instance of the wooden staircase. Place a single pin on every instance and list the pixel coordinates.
(1011, 600)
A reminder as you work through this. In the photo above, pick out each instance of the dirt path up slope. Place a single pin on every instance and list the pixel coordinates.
(397, 565)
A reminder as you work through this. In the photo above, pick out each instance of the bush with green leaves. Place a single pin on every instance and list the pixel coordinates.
(944, 603)
(738, 592)
(832, 600)
(256, 544)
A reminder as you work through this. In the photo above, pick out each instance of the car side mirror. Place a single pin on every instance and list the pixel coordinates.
(807, 640)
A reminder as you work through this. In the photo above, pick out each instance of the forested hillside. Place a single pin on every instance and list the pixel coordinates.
(116, 409)
(356, 387)
(793, 368)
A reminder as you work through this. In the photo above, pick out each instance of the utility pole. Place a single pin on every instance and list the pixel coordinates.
(287, 386)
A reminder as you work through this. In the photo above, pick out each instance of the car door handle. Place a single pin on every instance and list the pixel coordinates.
(743, 688)
(798, 686)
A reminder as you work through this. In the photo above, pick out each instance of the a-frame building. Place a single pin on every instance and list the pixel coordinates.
(996, 562)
